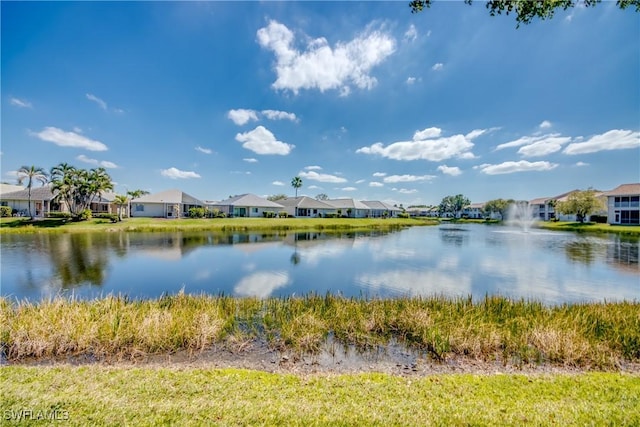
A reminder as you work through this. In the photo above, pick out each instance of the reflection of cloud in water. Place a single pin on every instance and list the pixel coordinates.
(382, 253)
(411, 282)
(313, 254)
(166, 253)
(262, 283)
(202, 275)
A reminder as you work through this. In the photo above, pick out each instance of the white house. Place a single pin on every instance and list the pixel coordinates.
(247, 205)
(166, 204)
(623, 204)
(304, 206)
(349, 208)
(381, 209)
(41, 200)
(474, 211)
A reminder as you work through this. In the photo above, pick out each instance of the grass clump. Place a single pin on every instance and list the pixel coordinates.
(592, 336)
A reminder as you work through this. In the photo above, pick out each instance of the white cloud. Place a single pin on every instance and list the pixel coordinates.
(98, 101)
(278, 183)
(174, 173)
(427, 144)
(314, 187)
(392, 179)
(312, 168)
(250, 160)
(242, 116)
(411, 33)
(616, 139)
(105, 164)
(543, 146)
(262, 141)
(321, 177)
(512, 167)
(437, 66)
(322, 66)
(579, 164)
(22, 103)
(407, 191)
(261, 284)
(546, 124)
(279, 115)
(348, 189)
(69, 139)
(453, 171)
(411, 80)
(379, 174)
(204, 150)
(360, 181)
(376, 184)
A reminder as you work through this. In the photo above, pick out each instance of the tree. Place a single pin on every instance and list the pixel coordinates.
(78, 188)
(453, 204)
(322, 196)
(31, 174)
(500, 206)
(277, 197)
(580, 203)
(136, 194)
(296, 183)
(527, 11)
(121, 201)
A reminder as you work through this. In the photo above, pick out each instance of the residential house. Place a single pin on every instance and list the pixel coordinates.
(166, 204)
(350, 208)
(304, 206)
(42, 201)
(623, 204)
(474, 211)
(381, 209)
(247, 205)
(542, 208)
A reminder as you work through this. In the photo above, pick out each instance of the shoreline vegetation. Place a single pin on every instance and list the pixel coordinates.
(516, 333)
(57, 225)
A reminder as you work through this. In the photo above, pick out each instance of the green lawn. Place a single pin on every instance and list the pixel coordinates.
(98, 395)
(590, 227)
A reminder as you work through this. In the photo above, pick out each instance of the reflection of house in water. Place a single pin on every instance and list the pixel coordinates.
(454, 236)
(624, 255)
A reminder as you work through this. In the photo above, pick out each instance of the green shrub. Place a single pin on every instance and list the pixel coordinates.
(5, 211)
(283, 214)
(111, 217)
(85, 215)
(62, 215)
(403, 215)
(268, 214)
(196, 212)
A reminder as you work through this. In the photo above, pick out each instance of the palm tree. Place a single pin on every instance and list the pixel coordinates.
(120, 201)
(296, 183)
(63, 178)
(136, 194)
(31, 174)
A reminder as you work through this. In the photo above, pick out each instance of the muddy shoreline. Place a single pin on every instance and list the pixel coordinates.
(332, 360)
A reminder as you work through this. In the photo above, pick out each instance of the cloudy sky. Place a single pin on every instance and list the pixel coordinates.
(359, 99)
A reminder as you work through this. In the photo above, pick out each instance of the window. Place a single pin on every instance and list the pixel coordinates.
(617, 202)
(254, 210)
(139, 208)
(635, 201)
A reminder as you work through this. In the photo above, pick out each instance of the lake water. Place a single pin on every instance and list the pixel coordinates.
(451, 260)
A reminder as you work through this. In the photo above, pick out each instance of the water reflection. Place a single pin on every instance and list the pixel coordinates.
(450, 260)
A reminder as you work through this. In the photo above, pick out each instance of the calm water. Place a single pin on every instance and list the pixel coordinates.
(455, 260)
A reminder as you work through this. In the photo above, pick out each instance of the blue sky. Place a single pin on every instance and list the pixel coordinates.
(359, 99)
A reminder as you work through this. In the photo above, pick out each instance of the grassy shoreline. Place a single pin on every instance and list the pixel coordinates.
(587, 336)
(20, 225)
(149, 396)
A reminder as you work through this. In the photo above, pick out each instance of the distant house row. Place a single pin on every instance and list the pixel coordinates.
(176, 203)
(622, 205)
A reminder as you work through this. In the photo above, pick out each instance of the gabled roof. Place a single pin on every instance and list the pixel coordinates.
(304, 202)
(37, 193)
(624, 190)
(250, 200)
(540, 201)
(479, 205)
(376, 204)
(347, 204)
(169, 196)
(8, 188)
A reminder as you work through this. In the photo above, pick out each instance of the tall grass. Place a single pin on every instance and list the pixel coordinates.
(514, 332)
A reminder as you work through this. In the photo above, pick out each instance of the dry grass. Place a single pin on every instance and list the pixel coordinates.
(597, 336)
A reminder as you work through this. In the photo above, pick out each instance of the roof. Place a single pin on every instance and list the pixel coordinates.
(250, 200)
(624, 190)
(376, 204)
(304, 202)
(169, 196)
(8, 188)
(478, 205)
(37, 193)
(347, 204)
(540, 201)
